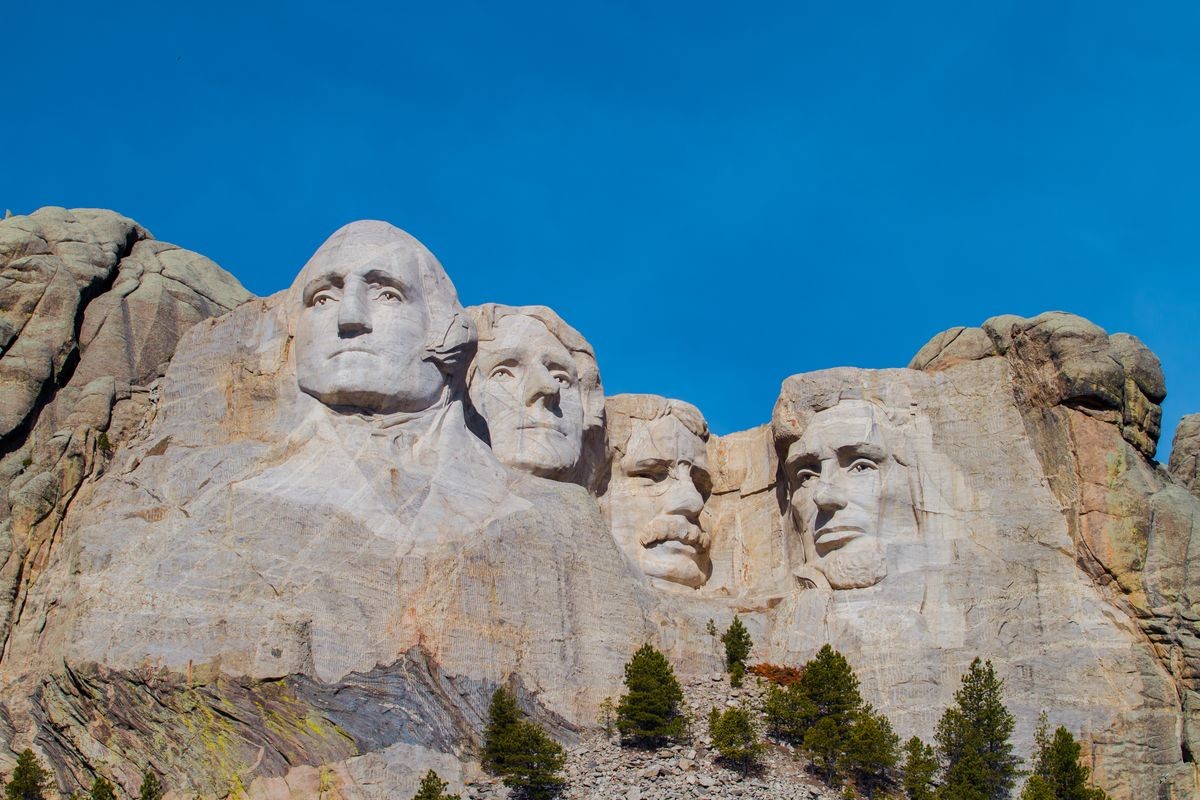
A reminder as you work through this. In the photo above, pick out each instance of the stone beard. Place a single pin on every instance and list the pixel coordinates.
(657, 492)
(376, 312)
(526, 386)
(838, 474)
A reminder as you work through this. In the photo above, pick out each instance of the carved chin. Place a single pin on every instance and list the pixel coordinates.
(674, 562)
(854, 568)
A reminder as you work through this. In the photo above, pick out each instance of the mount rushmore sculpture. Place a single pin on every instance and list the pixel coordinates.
(301, 543)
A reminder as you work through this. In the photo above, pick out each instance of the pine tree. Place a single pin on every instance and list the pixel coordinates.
(152, 788)
(649, 712)
(831, 685)
(737, 644)
(102, 790)
(535, 763)
(29, 781)
(920, 767)
(1056, 764)
(788, 712)
(735, 736)
(872, 750)
(973, 739)
(737, 674)
(433, 788)
(502, 716)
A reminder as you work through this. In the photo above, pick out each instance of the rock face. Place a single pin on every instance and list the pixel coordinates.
(91, 308)
(299, 562)
(1185, 453)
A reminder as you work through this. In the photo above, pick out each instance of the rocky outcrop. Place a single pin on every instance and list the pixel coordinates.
(1185, 453)
(91, 308)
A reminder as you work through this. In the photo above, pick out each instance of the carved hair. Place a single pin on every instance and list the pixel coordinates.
(624, 408)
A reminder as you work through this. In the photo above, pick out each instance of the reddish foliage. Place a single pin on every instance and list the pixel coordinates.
(784, 676)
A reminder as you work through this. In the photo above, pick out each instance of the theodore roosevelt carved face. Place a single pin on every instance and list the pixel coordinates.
(535, 385)
(835, 474)
(658, 488)
(377, 326)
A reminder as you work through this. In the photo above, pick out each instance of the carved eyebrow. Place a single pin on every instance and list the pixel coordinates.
(322, 281)
(869, 450)
(378, 277)
(650, 463)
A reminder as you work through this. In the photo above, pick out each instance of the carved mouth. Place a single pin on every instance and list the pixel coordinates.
(353, 350)
(542, 426)
(836, 536)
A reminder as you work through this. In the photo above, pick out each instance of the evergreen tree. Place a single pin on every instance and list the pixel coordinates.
(735, 736)
(1056, 764)
(920, 767)
(502, 716)
(649, 712)
(788, 712)
(152, 788)
(433, 788)
(534, 765)
(831, 685)
(824, 742)
(29, 781)
(872, 750)
(1037, 788)
(737, 674)
(973, 739)
(737, 644)
(102, 790)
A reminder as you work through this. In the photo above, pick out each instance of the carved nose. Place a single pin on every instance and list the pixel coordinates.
(829, 497)
(540, 385)
(683, 498)
(354, 318)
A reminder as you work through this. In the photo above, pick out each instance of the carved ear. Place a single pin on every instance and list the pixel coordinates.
(453, 349)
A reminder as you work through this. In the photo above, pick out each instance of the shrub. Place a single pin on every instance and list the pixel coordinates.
(102, 790)
(649, 711)
(607, 716)
(735, 736)
(782, 676)
(433, 788)
(152, 788)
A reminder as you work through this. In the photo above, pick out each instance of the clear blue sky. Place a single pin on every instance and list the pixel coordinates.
(716, 195)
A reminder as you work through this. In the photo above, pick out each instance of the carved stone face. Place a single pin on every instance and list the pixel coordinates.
(835, 480)
(526, 388)
(363, 327)
(657, 492)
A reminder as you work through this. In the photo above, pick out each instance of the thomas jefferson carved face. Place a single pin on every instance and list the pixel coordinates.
(526, 386)
(364, 323)
(835, 480)
(656, 494)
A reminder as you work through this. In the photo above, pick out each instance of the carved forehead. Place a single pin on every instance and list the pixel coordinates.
(370, 245)
(519, 336)
(849, 423)
(665, 439)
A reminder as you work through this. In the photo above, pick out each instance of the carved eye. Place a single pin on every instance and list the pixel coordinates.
(863, 465)
(501, 373)
(652, 474)
(390, 296)
(321, 298)
(804, 475)
(562, 378)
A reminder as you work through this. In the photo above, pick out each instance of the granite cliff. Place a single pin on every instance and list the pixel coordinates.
(288, 546)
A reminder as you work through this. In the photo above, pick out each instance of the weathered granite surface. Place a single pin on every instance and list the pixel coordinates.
(298, 562)
(1184, 465)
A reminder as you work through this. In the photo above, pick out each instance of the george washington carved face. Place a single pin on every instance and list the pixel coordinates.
(374, 305)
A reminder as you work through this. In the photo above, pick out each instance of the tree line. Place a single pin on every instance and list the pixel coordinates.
(816, 708)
